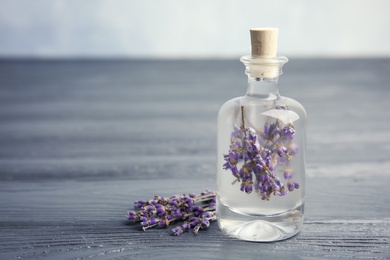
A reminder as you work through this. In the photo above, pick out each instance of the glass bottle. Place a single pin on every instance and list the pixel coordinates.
(261, 152)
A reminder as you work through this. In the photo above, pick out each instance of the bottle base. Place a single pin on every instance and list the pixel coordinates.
(260, 228)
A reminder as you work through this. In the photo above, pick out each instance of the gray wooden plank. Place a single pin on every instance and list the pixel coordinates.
(87, 219)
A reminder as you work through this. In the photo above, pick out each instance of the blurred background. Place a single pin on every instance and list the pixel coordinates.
(184, 29)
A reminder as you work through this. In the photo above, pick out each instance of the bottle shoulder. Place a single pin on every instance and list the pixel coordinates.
(230, 107)
(231, 103)
(284, 103)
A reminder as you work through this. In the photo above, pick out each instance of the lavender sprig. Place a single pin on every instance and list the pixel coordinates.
(259, 155)
(195, 210)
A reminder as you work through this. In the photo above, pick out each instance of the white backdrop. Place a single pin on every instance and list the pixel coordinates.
(182, 28)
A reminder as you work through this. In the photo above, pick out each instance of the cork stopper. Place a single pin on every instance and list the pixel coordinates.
(263, 63)
(264, 42)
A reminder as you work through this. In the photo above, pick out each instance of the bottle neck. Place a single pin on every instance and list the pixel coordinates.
(263, 75)
(264, 88)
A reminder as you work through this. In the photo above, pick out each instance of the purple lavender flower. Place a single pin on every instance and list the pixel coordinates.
(283, 192)
(132, 215)
(194, 221)
(288, 174)
(188, 201)
(196, 228)
(173, 202)
(290, 186)
(139, 204)
(144, 221)
(160, 210)
(197, 223)
(231, 161)
(150, 208)
(177, 214)
(205, 222)
(153, 221)
(196, 210)
(288, 131)
(186, 226)
(282, 151)
(261, 156)
(271, 131)
(177, 231)
(162, 223)
(248, 188)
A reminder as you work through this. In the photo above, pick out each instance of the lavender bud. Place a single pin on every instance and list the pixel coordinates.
(186, 226)
(262, 177)
(281, 151)
(287, 174)
(150, 208)
(206, 215)
(138, 204)
(153, 221)
(196, 228)
(177, 214)
(173, 203)
(248, 189)
(160, 210)
(282, 192)
(288, 131)
(144, 221)
(177, 231)
(205, 222)
(131, 215)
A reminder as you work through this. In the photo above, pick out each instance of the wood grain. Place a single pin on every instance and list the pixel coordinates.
(81, 140)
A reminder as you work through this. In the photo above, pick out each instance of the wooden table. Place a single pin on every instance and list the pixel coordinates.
(81, 140)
